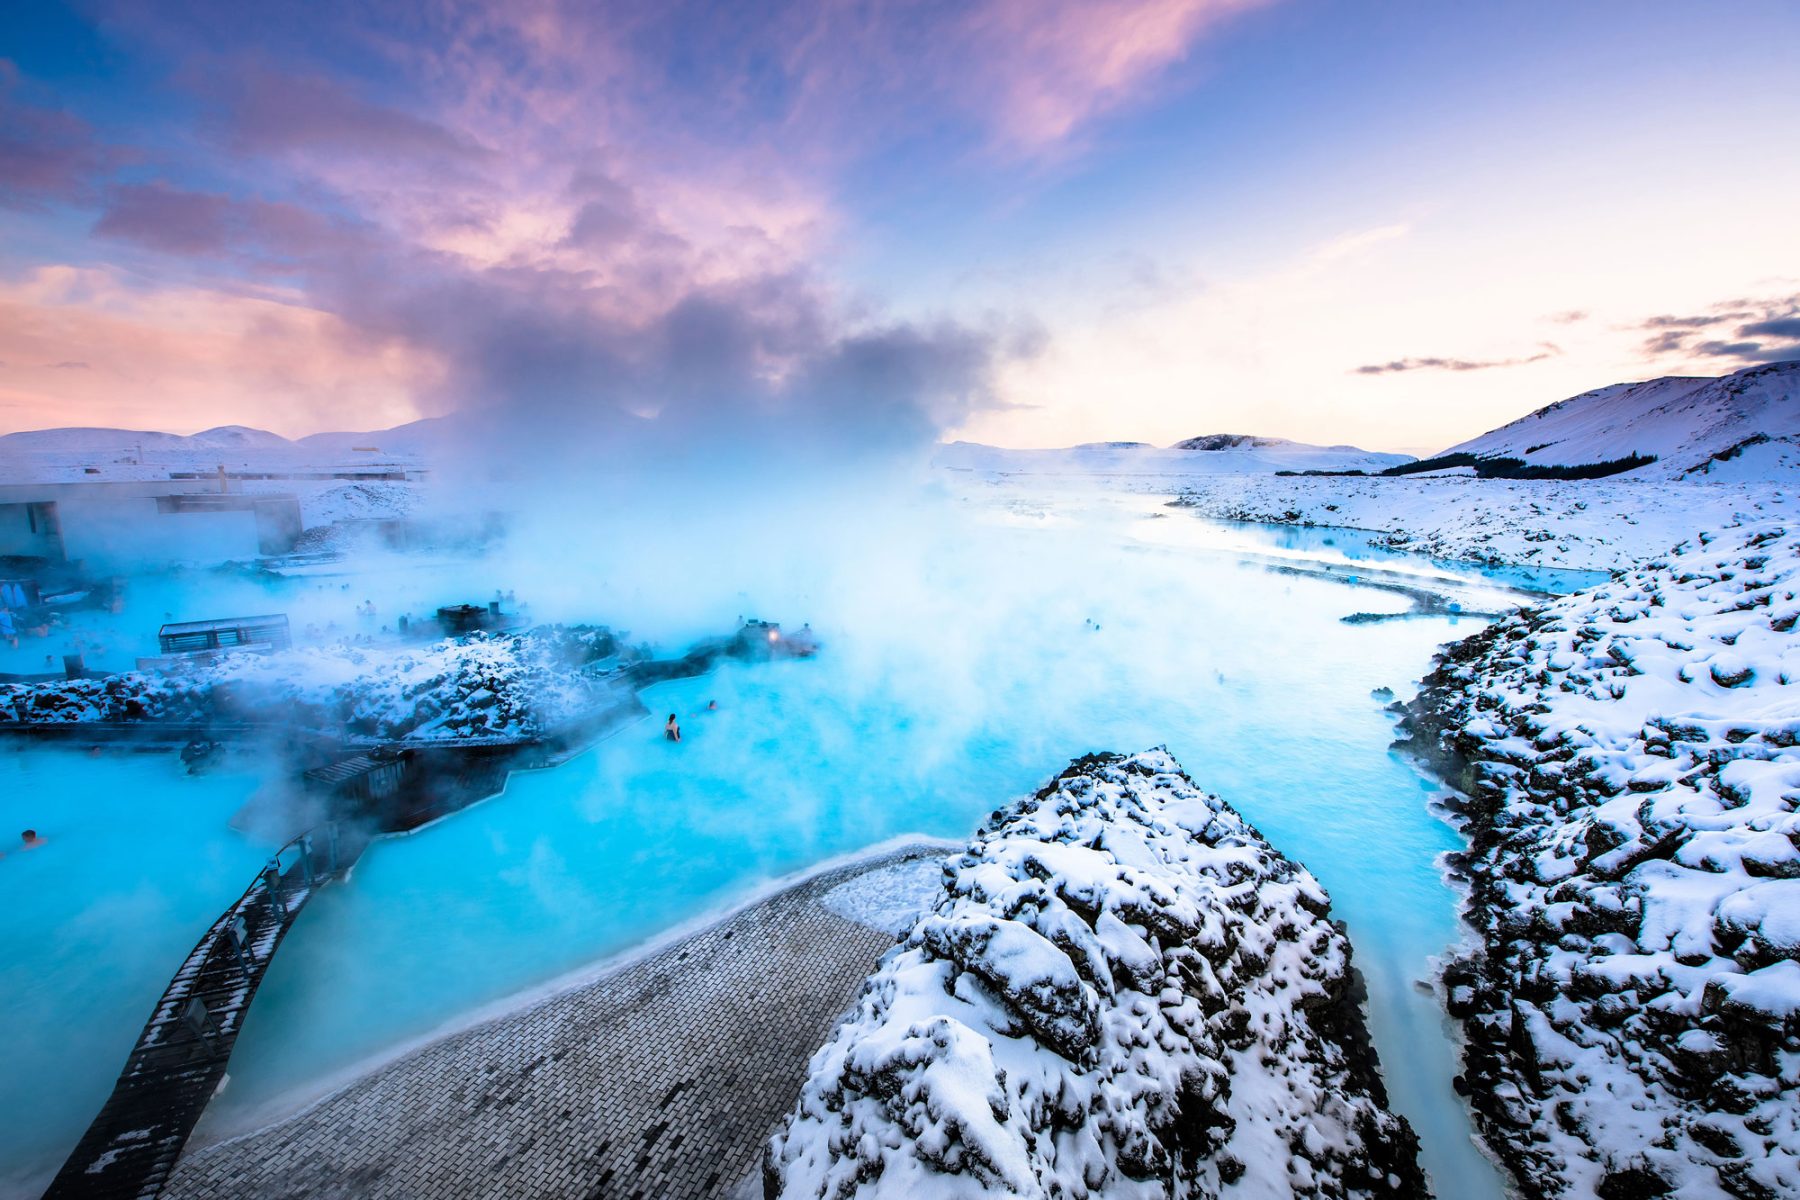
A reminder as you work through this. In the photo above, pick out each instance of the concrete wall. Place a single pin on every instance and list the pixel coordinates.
(126, 526)
(27, 534)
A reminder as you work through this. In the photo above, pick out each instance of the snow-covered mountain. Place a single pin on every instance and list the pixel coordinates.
(1210, 454)
(102, 455)
(1742, 426)
(80, 439)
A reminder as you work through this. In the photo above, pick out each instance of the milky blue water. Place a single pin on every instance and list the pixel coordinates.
(959, 673)
(138, 861)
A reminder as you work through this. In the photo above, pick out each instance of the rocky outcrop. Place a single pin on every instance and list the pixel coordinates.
(1630, 774)
(1124, 992)
(479, 686)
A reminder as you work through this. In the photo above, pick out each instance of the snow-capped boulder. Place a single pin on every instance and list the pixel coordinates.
(1124, 992)
(1630, 762)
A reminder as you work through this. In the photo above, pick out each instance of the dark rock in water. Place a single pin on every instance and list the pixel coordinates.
(1125, 991)
(1384, 694)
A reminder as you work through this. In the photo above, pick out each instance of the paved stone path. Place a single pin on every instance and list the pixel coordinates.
(662, 1080)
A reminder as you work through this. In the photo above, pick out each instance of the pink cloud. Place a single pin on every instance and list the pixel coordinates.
(83, 347)
(1053, 65)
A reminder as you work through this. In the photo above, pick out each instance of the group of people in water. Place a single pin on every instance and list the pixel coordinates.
(672, 728)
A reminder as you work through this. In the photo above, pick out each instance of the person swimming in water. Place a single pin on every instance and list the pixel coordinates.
(30, 839)
(672, 730)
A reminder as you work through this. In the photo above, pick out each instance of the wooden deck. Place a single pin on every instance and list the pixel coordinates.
(180, 1057)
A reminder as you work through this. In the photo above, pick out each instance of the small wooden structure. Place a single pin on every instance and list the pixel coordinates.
(370, 777)
(269, 632)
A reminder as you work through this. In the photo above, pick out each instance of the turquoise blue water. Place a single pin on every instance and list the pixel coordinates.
(138, 861)
(962, 669)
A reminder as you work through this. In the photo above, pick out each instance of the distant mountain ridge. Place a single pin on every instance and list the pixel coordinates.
(1736, 427)
(1207, 454)
(412, 438)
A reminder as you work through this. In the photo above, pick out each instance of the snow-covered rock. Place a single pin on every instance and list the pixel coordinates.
(479, 686)
(1630, 758)
(1124, 992)
(1741, 426)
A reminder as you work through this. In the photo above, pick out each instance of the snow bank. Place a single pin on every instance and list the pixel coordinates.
(1630, 760)
(1601, 525)
(1124, 992)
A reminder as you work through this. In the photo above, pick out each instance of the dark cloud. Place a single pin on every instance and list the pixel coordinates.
(1776, 327)
(1765, 330)
(1399, 365)
(1668, 342)
(1699, 321)
(1727, 349)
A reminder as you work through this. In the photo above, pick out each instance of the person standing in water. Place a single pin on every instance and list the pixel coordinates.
(673, 729)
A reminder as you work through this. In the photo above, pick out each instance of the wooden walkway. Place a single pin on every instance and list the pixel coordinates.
(180, 1057)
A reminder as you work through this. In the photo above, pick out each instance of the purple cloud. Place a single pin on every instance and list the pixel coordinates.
(167, 218)
(1777, 327)
(271, 111)
(1767, 330)
(47, 155)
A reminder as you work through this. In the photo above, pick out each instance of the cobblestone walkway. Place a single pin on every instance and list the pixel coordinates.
(662, 1080)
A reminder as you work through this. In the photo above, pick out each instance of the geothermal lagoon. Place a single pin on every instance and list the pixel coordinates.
(961, 669)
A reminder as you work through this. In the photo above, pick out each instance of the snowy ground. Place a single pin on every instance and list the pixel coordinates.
(1125, 992)
(1630, 757)
(1581, 524)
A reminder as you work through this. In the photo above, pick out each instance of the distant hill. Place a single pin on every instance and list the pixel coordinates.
(1210, 454)
(1233, 441)
(1742, 426)
(100, 455)
(92, 440)
(415, 437)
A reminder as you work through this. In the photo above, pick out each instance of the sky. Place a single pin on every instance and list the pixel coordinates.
(1026, 222)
